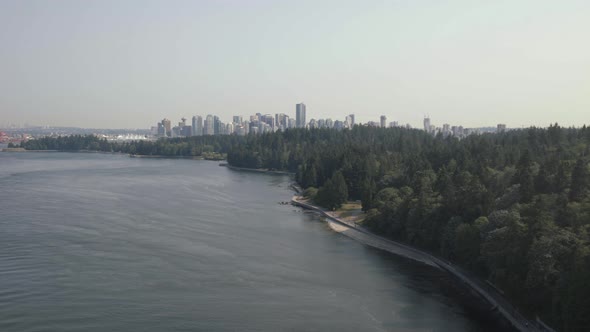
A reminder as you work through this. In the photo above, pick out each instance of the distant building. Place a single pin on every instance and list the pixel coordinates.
(281, 121)
(229, 128)
(313, 123)
(167, 124)
(153, 131)
(237, 119)
(240, 130)
(269, 120)
(383, 121)
(161, 130)
(458, 131)
(446, 129)
(501, 128)
(329, 123)
(208, 125)
(197, 125)
(183, 129)
(427, 124)
(186, 131)
(217, 126)
(246, 126)
(300, 115)
(349, 121)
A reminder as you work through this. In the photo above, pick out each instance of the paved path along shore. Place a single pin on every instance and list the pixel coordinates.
(361, 234)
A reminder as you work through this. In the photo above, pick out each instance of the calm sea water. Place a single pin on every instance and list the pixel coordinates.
(96, 242)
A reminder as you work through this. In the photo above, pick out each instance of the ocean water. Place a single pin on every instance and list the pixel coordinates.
(100, 242)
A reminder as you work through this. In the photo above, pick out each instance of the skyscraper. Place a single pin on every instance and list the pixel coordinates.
(350, 121)
(161, 130)
(167, 127)
(197, 125)
(208, 125)
(237, 119)
(300, 115)
(217, 125)
(427, 124)
(269, 120)
(281, 121)
(446, 130)
(383, 121)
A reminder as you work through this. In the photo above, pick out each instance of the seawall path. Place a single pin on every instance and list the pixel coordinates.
(357, 232)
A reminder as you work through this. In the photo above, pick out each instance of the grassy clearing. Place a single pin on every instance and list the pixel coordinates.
(351, 211)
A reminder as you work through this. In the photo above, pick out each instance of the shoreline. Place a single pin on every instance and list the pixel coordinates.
(157, 156)
(255, 170)
(114, 153)
(24, 150)
(363, 235)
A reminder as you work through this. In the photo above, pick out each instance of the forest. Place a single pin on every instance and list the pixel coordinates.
(513, 207)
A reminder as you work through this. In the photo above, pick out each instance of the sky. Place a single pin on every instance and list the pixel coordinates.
(129, 64)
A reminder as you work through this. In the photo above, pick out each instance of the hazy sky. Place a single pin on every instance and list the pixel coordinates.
(116, 64)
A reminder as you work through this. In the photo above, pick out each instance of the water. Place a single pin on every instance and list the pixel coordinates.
(97, 242)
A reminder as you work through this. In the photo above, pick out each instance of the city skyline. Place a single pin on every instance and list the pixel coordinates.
(123, 64)
(265, 123)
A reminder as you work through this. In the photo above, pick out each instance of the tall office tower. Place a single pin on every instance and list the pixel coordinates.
(197, 125)
(427, 125)
(216, 125)
(161, 130)
(167, 124)
(281, 121)
(240, 130)
(446, 129)
(237, 119)
(292, 123)
(246, 127)
(269, 120)
(383, 121)
(329, 123)
(186, 131)
(300, 115)
(349, 120)
(501, 128)
(208, 125)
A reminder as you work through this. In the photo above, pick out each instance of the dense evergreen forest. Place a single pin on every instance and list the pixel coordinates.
(176, 147)
(514, 207)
